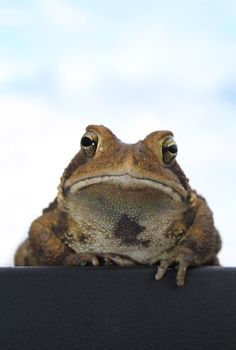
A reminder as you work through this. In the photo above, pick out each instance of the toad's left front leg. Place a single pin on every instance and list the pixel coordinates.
(199, 245)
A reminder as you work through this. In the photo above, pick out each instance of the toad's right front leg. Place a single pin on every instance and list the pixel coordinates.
(45, 248)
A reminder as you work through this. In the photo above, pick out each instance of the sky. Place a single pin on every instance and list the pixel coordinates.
(133, 66)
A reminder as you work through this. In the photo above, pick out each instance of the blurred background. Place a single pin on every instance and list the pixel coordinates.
(134, 66)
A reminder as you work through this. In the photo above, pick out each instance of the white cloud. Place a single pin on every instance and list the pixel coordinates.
(195, 66)
(76, 75)
(137, 59)
(200, 65)
(11, 70)
(65, 16)
(7, 71)
(13, 17)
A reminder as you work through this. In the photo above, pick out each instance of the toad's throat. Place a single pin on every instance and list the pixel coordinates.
(129, 181)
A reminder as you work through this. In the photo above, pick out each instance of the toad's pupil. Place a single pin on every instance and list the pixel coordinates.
(172, 148)
(86, 142)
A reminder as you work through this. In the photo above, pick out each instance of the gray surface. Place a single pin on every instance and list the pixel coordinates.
(116, 308)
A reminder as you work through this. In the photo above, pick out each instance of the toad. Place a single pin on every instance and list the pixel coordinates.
(124, 204)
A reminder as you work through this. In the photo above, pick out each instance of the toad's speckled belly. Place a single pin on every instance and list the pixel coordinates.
(127, 221)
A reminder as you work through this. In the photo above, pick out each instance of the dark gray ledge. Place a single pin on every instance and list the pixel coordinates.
(116, 308)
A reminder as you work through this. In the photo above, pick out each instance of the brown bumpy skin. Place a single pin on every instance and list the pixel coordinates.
(124, 204)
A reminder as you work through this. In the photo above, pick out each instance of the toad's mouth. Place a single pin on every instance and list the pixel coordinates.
(125, 181)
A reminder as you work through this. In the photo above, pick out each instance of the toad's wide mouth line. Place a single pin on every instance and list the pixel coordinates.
(129, 181)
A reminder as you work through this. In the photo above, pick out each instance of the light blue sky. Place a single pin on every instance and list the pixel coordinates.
(135, 66)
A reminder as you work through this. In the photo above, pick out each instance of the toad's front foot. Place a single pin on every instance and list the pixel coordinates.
(182, 256)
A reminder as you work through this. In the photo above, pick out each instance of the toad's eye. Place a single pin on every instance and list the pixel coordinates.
(88, 143)
(169, 150)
